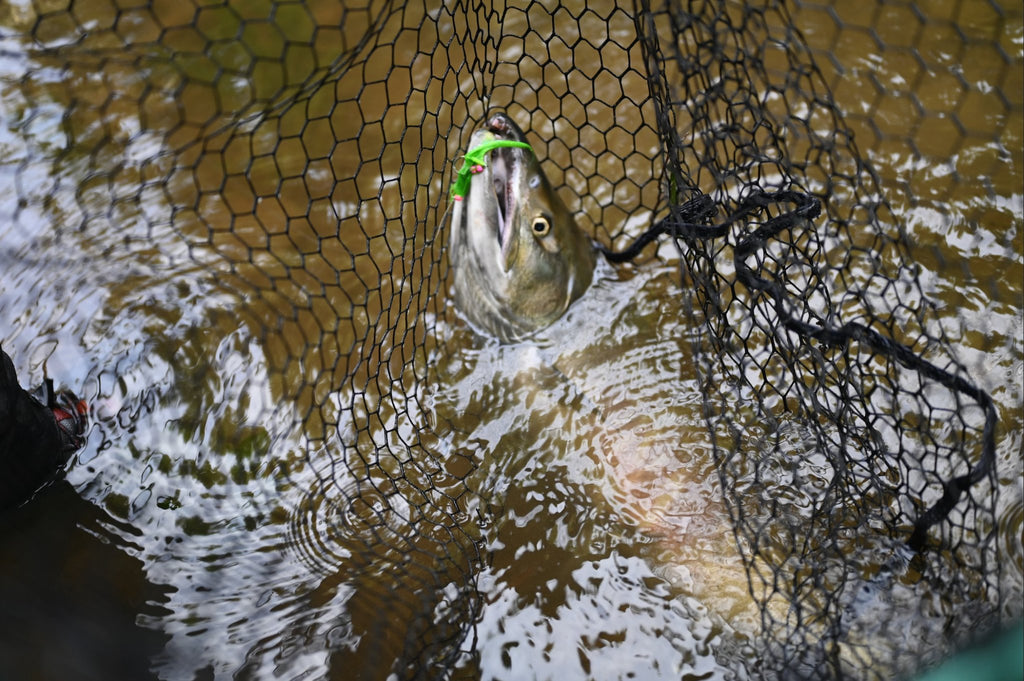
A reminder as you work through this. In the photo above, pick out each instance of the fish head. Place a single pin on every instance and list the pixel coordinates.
(520, 259)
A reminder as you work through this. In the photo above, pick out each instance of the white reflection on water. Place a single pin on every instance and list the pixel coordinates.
(609, 547)
(618, 621)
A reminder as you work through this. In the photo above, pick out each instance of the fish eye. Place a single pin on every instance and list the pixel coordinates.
(541, 226)
(534, 181)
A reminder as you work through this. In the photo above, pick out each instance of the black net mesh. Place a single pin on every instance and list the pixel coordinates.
(782, 441)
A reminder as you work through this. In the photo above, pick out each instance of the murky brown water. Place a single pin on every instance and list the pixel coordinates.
(236, 292)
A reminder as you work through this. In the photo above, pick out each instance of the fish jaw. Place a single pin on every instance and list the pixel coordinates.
(497, 193)
(504, 174)
(488, 223)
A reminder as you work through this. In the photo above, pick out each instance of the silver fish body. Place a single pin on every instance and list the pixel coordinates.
(519, 257)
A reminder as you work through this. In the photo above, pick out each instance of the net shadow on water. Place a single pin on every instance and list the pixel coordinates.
(227, 221)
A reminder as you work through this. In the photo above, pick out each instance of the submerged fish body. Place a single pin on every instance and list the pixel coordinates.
(519, 258)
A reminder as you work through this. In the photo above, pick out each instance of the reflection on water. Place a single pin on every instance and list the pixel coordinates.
(221, 223)
(53, 627)
(608, 528)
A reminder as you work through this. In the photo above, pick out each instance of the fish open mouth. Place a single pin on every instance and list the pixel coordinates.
(503, 164)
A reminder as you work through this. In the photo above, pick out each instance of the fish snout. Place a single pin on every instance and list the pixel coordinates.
(499, 124)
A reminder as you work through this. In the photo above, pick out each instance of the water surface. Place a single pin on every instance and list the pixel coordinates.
(303, 462)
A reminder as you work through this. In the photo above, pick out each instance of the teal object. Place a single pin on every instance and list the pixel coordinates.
(475, 159)
(1000, 658)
